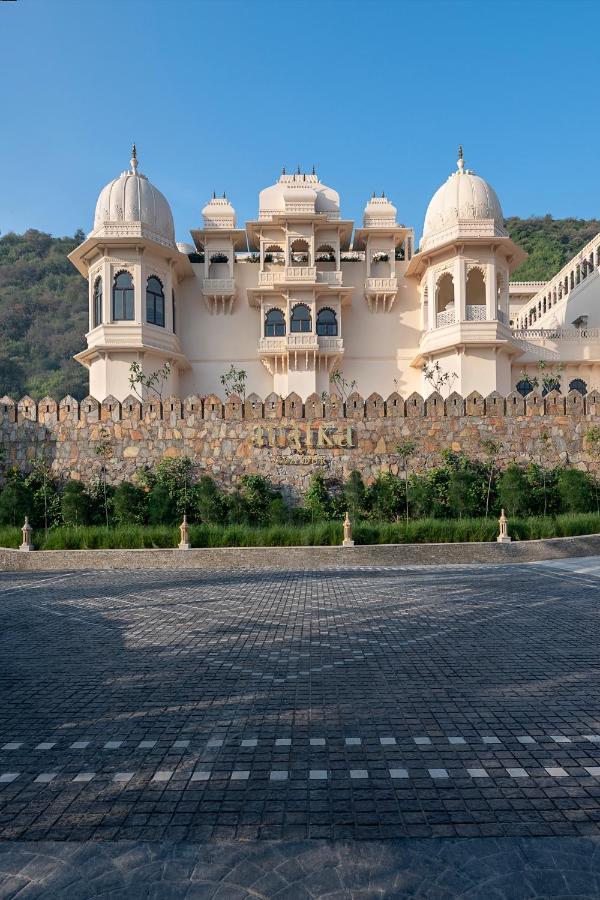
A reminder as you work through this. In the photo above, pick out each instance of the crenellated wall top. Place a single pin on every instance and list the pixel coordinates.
(195, 409)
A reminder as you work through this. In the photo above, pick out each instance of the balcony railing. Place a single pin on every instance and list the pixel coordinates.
(446, 317)
(289, 273)
(329, 277)
(293, 342)
(218, 286)
(381, 285)
(476, 313)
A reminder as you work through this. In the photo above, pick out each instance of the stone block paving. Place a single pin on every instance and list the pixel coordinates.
(154, 710)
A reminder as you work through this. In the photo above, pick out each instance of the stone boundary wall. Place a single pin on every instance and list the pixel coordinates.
(301, 558)
(287, 439)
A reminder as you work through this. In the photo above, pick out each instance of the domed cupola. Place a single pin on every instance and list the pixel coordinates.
(130, 206)
(379, 212)
(301, 193)
(464, 206)
(219, 213)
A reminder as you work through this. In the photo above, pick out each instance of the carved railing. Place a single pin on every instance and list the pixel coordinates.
(218, 286)
(447, 317)
(476, 313)
(381, 285)
(587, 260)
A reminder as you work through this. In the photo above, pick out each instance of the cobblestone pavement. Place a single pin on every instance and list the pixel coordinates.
(151, 711)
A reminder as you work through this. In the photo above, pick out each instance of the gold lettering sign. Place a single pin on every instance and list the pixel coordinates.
(302, 437)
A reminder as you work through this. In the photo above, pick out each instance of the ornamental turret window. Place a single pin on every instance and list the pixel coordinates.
(155, 302)
(123, 304)
(97, 303)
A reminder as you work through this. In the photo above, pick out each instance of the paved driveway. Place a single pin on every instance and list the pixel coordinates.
(171, 714)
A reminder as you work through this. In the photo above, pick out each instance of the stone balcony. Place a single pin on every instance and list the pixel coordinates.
(288, 274)
(294, 351)
(219, 294)
(380, 293)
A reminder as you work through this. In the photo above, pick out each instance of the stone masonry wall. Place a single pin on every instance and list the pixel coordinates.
(287, 440)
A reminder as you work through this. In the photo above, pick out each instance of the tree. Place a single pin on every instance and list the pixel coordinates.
(406, 450)
(544, 448)
(104, 452)
(354, 494)
(15, 501)
(234, 382)
(75, 504)
(386, 497)
(512, 491)
(161, 507)
(436, 377)
(551, 376)
(491, 449)
(574, 490)
(317, 499)
(209, 502)
(175, 475)
(593, 441)
(153, 384)
(344, 386)
(256, 494)
(129, 504)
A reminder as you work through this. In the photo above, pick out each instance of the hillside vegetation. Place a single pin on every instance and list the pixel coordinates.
(43, 300)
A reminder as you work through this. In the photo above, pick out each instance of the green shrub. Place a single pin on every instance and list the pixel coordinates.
(15, 502)
(512, 491)
(75, 504)
(162, 506)
(576, 491)
(129, 504)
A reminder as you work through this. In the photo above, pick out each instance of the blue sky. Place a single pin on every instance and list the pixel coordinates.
(221, 94)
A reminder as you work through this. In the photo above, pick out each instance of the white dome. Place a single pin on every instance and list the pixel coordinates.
(463, 199)
(131, 200)
(219, 213)
(379, 212)
(298, 193)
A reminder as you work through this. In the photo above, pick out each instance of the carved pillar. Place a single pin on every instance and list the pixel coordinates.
(491, 311)
(460, 289)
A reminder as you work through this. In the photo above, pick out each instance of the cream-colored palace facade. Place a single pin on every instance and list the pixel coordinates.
(300, 293)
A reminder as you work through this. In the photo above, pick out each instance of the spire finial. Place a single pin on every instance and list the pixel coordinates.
(283, 171)
(224, 196)
(134, 162)
(461, 162)
(214, 194)
(313, 170)
(298, 169)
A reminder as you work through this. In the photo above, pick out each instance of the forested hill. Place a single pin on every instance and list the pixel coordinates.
(550, 243)
(43, 300)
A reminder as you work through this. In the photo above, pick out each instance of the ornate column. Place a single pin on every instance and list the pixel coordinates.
(460, 288)
(491, 310)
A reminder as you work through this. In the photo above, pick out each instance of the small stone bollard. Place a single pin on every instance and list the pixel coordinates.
(27, 531)
(503, 537)
(184, 529)
(347, 542)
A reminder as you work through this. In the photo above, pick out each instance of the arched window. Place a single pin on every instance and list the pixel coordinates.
(475, 287)
(301, 320)
(97, 313)
(327, 325)
(578, 384)
(299, 253)
(155, 302)
(123, 306)
(274, 323)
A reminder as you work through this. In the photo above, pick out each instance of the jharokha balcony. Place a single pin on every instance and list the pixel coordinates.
(296, 351)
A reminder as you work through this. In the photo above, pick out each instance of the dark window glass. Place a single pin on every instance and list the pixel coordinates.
(155, 302)
(274, 323)
(174, 311)
(97, 302)
(300, 319)
(578, 384)
(123, 307)
(524, 387)
(327, 323)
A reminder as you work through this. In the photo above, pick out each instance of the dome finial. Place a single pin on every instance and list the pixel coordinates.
(134, 162)
(461, 162)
